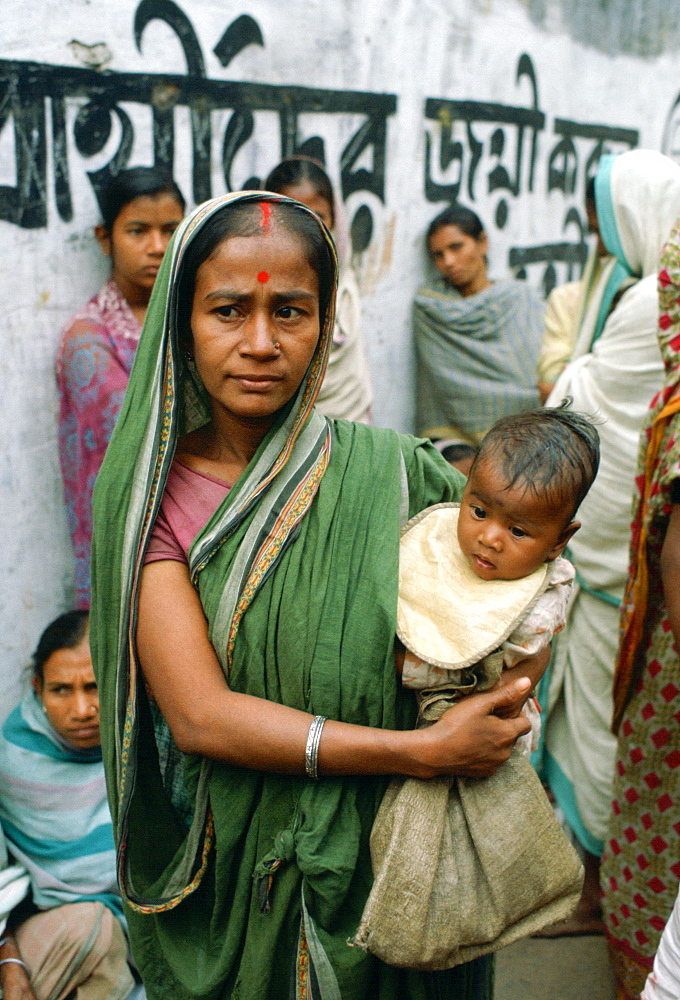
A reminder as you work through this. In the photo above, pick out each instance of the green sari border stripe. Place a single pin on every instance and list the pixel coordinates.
(609, 233)
(275, 543)
(617, 279)
(600, 595)
(563, 791)
(264, 523)
(606, 216)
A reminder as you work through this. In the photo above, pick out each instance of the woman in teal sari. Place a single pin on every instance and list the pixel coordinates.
(245, 588)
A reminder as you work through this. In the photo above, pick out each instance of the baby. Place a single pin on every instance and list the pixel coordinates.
(462, 866)
(482, 584)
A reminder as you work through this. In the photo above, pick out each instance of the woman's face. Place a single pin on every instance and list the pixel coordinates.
(460, 259)
(254, 323)
(138, 240)
(68, 691)
(307, 194)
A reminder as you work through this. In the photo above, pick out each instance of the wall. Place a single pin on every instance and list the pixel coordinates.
(504, 104)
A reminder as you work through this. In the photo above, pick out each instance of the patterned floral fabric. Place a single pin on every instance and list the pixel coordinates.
(95, 356)
(641, 862)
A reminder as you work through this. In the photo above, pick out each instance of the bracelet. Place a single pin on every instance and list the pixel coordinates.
(16, 961)
(5, 939)
(312, 748)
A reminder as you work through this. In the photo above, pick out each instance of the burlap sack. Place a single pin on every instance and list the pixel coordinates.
(465, 866)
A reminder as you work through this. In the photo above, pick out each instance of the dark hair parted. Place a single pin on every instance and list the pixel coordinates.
(554, 450)
(137, 182)
(65, 632)
(247, 218)
(296, 170)
(456, 215)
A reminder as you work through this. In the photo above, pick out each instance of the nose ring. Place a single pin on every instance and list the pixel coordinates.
(277, 345)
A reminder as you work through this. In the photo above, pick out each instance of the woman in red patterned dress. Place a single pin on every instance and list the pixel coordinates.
(641, 862)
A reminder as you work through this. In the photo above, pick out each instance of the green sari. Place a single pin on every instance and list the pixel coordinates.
(297, 574)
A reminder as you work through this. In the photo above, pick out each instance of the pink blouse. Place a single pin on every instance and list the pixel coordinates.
(190, 500)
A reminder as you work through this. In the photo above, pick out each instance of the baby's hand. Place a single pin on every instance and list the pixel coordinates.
(533, 667)
(507, 677)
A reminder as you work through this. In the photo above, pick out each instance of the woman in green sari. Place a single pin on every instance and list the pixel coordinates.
(245, 588)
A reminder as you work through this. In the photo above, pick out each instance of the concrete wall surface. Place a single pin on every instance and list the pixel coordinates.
(503, 104)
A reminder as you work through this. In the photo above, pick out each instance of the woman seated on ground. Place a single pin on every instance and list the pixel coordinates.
(68, 934)
(346, 389)
(141, 209)
(477, 341)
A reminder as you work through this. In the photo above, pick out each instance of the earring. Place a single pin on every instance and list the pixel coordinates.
(188, 356)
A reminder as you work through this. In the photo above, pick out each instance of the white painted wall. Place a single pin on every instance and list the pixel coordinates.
(414, 49)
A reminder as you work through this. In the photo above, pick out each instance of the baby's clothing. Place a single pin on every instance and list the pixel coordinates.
(461, 632)
(534, 632)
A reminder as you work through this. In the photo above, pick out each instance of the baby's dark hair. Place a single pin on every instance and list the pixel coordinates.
(553, 450)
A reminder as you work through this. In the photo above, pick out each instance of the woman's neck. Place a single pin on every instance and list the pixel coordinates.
(223, 447)
(137, 298)
(474, 287)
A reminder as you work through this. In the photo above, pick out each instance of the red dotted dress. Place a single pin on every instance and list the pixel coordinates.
(641, 862)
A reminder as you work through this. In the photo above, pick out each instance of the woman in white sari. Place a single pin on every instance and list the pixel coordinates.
(615, 371)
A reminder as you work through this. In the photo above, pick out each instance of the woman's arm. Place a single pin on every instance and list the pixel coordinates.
(14, 979)
(670, 571)
(207, 718)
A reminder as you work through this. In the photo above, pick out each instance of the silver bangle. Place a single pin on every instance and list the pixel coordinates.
(16, 961)
(312, 748)
(5, 939)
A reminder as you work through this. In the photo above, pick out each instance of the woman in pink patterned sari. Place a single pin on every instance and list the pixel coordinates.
(141, 209)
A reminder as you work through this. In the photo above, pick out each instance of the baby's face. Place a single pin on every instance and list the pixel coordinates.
(506, 534)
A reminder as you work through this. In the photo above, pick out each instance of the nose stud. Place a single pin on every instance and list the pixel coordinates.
(277, 345)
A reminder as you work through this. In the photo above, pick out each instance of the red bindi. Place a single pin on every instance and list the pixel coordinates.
(263, 277)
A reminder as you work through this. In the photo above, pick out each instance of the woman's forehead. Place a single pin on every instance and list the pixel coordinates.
(271, 254)
(68, 665)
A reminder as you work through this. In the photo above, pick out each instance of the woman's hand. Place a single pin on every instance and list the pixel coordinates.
(475, 737)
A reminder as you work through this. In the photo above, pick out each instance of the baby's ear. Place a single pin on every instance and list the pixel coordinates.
(563, 539)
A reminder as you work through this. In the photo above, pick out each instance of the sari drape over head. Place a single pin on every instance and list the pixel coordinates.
(297, 574)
